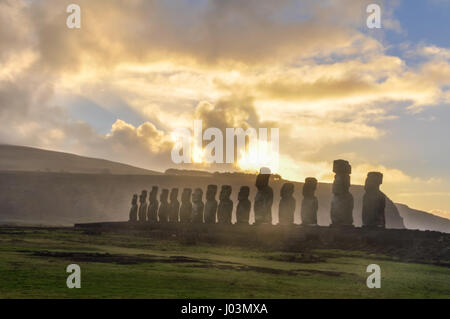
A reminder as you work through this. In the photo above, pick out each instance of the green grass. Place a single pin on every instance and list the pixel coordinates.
(211, 272)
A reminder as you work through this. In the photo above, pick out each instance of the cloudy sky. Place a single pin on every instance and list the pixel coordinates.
(137, 70)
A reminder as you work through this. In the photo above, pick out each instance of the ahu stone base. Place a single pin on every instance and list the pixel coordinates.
(403, 243)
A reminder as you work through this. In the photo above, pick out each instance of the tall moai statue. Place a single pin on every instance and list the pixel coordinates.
(143, 206)
(263, 198)
(342, 202)
(374, 201)
(153, 206)
(310, 204)
(225, 205)
(243, 206)
(211, 204)
(163, 212)
(186, 206)
(197, 206)
(286, 207)
(174, 208)
(134, 209)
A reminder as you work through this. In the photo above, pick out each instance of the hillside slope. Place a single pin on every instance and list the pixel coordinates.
(416, 219)
(21, 158)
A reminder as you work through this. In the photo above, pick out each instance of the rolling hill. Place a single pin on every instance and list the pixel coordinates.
(28, 159)
(416, 219)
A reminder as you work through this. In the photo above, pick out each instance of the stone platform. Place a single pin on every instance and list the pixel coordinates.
(405, 244)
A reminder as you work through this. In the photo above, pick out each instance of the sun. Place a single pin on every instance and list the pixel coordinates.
(260, 154)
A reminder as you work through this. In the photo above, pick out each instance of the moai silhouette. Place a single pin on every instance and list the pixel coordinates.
(287, 204)
(243, 206)
(310, 204)
(342, 202)
(152, 214)
(263, 198)
(143, 206)
(211, 204)
(134, 209)
(374, 201)
(163, 212)
(186, 206)
(197, 206)
(174, 206)
(225, 205)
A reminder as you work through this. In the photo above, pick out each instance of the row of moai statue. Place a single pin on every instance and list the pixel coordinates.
(193, 210)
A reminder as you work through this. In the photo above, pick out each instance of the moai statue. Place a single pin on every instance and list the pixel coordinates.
(243, 206)
(225, 205)
(287, 204)
(174, 206)
(197, 206)
(374, 202)
(152, 213)
(163, 212)
(143, 206)
(310, 204)
(186, 206)
(263, 198)
(342, 202)
(211, 204)
(134, 209)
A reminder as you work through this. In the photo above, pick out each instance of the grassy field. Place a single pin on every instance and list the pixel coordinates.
(33, 265)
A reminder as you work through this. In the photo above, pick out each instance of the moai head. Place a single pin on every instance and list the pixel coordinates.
(153, 193)
(309, 187)
(164, 195)
(373, 181)
(244, 192)
(225, 192)
(287, 190)
(143, 197)
(197, 195)
(341, 182)
(186, 195)
(174, 194)
(134, 200)
(211, 192)
(262, 180)
(342, 167)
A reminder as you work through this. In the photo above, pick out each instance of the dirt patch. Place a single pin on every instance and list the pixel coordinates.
(192, 262)
(12, 232)
(320, 272)
(298, 258)
(114, 258)
(267, 270)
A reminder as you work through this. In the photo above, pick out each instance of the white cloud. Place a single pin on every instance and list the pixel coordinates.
(319, 79)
